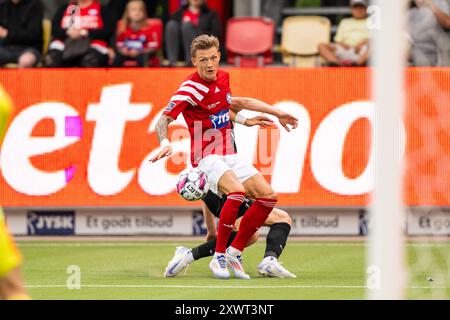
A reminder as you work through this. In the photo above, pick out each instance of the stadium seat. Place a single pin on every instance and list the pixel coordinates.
(300, 39)
(154, 61)
(249, 41)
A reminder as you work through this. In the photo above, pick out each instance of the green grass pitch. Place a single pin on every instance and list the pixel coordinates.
(133, 270)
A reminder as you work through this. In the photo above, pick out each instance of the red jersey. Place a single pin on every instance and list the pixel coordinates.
(147, 37)
(192, 17)
(206, 110)
(88, 18)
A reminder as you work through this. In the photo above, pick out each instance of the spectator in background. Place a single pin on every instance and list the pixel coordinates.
(137, 38)
(188, 22)
(351, 43)
(428, 20)
(21, 36)
(80, 39)
(117, 8)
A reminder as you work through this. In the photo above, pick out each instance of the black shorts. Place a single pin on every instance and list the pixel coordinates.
(215, 204)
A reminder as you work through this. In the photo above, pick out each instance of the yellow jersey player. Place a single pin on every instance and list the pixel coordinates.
(11, 287)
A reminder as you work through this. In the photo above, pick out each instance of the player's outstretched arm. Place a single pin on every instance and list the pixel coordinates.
(162, 129)
(240, 103)
(250, 122)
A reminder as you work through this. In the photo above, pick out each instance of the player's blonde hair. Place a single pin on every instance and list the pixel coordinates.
(204, 42)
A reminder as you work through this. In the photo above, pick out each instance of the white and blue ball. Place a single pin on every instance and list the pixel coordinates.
(192, 184)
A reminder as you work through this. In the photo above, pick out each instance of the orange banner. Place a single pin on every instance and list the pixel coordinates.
(83, 137)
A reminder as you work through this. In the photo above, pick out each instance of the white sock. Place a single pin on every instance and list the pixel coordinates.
(234, 252)
(218, 254)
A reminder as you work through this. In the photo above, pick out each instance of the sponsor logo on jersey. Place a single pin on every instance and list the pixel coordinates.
(220, 119)
(92, 12)
(217, 90)
(134, 44)
(213, 105)
(229, 98)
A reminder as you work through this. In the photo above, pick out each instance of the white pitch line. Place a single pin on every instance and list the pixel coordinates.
(199, 287)
(423, 287)
(84, 245)
(132, 244)
(124, 244)
(216, 287)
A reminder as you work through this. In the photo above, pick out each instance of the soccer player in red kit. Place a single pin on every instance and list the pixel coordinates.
(205, 100)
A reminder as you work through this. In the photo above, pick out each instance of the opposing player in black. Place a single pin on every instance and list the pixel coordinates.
(278, 220)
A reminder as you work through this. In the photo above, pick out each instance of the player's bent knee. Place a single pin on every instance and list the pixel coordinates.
(235, 190)
(232, 188)
(278, 216)
(265, 194)
(271, 195)
(285, 217)
(289, 220)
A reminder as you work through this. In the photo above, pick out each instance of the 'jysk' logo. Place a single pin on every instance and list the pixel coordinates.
(220, 119)
(51, 223)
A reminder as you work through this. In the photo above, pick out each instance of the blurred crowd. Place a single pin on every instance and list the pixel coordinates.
(142, 33)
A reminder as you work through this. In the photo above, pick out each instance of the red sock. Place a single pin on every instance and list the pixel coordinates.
(228, 217)
(252, 220)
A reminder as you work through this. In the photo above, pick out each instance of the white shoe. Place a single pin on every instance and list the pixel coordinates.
(218, 266)
(235, 263)
(272, 268)
(179, 261)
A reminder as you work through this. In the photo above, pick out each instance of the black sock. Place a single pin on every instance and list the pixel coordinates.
(276, 239)
(207, 249)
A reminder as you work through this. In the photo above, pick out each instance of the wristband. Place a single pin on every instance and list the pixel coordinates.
(240, 119)
(165, 143)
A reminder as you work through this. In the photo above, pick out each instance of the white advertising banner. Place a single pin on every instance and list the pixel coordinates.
(431, 222)
(17, 222)
(325, 224)
(322, 224)
(434, 222)
(132, 223)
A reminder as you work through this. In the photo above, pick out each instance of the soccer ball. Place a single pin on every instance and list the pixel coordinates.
(192, 184)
